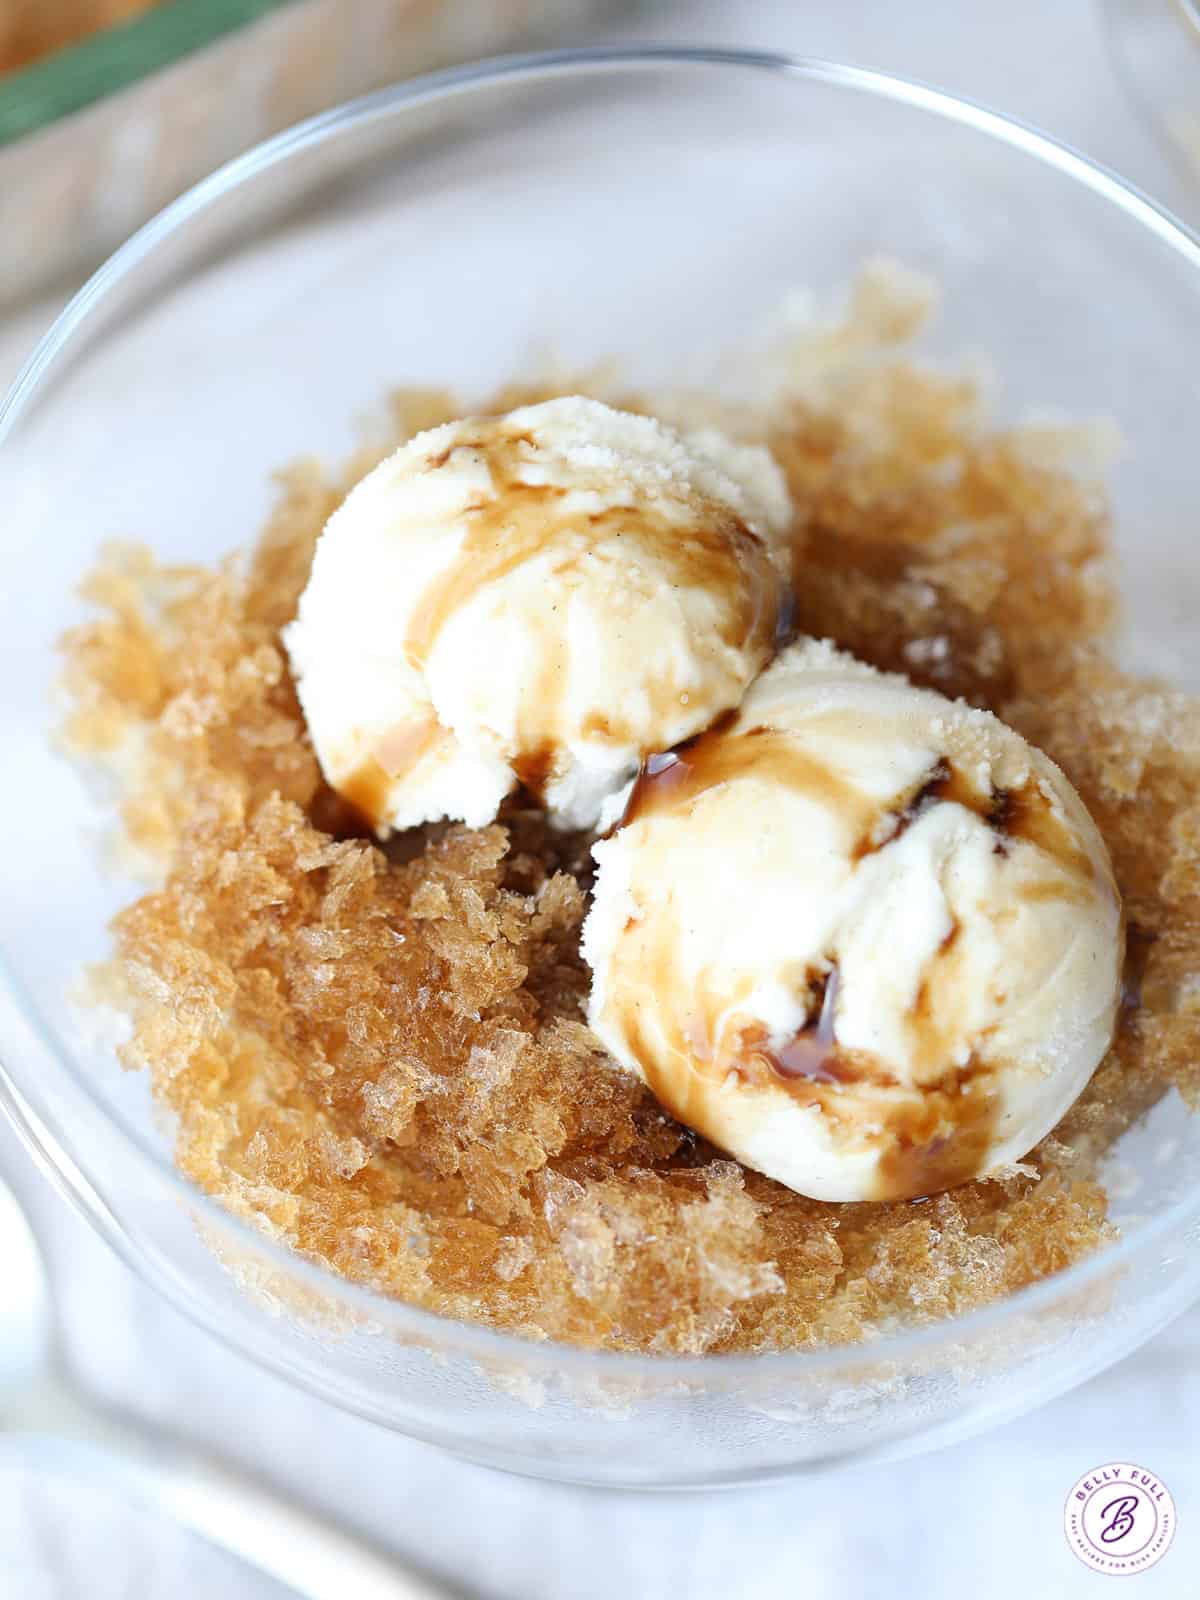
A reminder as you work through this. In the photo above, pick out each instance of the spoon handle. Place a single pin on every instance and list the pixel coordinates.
(295, 1545)
(241, 1514)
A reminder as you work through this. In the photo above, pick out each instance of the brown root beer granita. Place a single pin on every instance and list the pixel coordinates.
(378, 1054)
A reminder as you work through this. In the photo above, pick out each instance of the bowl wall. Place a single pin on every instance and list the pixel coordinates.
(658, 210)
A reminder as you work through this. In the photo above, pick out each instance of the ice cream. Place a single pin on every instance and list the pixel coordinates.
(540, 598)
(863, 938)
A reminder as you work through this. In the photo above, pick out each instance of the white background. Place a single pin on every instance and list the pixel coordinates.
(982, 1520)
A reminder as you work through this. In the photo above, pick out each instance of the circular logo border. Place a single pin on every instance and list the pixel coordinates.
(1107, 1478)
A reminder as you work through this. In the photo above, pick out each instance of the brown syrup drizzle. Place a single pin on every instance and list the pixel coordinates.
(333, 813)
(933, 1137)
(366, 789)
(713, 549)
(676, 779)
(939, 1137)
(1026, 813)
(1139, 942)
(812, 1053)
(1020, 813)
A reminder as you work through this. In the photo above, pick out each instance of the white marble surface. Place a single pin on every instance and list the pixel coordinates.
(983, 1518)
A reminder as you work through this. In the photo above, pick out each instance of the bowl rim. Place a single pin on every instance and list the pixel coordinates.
(476, 1338)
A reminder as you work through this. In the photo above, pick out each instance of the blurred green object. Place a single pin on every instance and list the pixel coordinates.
(97, 137)
(112, 59)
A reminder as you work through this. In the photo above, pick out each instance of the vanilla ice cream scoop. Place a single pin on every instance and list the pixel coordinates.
(542, 597)
(863, 938)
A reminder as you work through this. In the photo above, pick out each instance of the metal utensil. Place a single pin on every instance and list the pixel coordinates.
(243, 1516)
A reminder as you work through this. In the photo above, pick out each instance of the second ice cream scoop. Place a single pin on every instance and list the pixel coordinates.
(541, 597)
(863, 938)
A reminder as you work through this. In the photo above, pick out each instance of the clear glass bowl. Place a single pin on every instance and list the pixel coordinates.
(1156, 48)
(653, 205)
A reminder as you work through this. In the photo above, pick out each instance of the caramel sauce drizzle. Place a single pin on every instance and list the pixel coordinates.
(931, 1137)
(367, 787)
(365, 791)
(671, 781)
(678, 777)
(1020, 813)
(705, 544)
(711, 547)
(1139, 942)
(940, 1137)
(811, 1054)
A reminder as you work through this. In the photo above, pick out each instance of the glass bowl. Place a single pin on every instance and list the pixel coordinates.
(651, 204)
(1156, 48)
